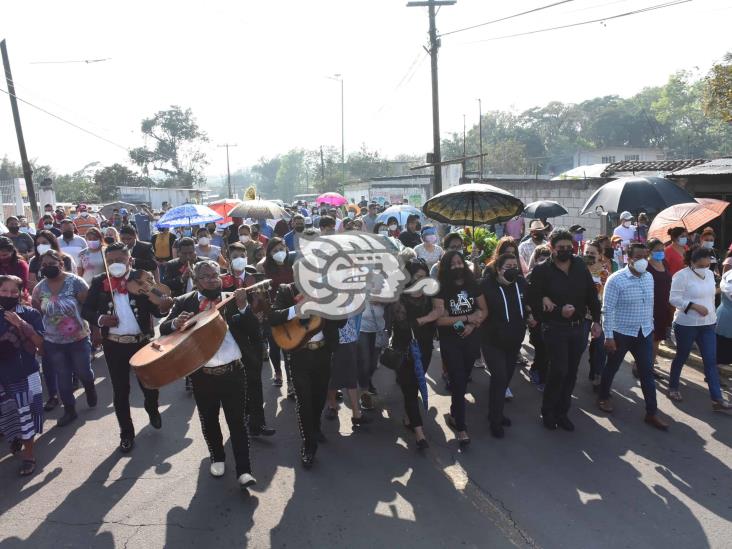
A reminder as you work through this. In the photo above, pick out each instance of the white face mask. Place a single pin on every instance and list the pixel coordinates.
(430, 238)
(393, 227)
(708, 244)
(279, 257)
(48, 226)
(701, 271)
(24, 230)
(94, 244)
(43, 248)
(626, 224)
(204, 241)
(244, 238)
(239, 263)
(117, 270)
(640, 266)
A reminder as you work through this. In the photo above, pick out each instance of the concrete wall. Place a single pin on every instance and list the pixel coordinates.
(584, 157)
(570, 194)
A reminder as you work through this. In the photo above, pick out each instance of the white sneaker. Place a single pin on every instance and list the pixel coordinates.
(246, 480)
(218, 468)
(509, 394)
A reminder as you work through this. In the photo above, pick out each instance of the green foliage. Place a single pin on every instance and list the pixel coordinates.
(484, 240)
(717, 93)
(116, 175)
(175, 151)
(78, 186)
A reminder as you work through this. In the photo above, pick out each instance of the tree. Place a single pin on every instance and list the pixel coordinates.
(78, 186)
(717, 92)
(117, 175)
(290, 175)
(176, 152)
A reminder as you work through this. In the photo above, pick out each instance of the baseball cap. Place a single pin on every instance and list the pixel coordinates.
(625, 216)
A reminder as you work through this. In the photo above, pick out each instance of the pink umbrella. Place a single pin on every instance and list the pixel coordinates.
(333, 199)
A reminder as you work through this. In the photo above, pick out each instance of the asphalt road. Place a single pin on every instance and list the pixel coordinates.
(613, 483)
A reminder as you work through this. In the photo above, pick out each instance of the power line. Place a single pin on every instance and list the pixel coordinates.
(599, 20)
(87, 61)
(57, 117)
(506, 18)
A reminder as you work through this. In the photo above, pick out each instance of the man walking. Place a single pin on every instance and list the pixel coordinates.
(628, 323)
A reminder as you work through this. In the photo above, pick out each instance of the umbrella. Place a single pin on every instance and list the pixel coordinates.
(691, 216)
(473, 204)
(419, 371)
(333, 199)
(543, 209)
(258, 209)
(106, 210)
(223, 206)
(713, 204)
(635, 195)
(187, 215)
(401, 212)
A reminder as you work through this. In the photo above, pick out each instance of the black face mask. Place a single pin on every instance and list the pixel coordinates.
(109, 240)
(511, 275)
(211, 294)
(564, 255)
(68, 234)
(9, 303)
(14, 230)
(51, 271)
(609, 253)
(299, 229)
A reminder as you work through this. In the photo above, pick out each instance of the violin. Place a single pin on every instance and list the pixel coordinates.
(143, 283)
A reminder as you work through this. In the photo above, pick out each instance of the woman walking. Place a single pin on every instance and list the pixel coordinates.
(59, 297)
(428, 249)
(44, 241)
(692, 293)
(662, 311)
(91, 259)
(600, 273)
(21, 393)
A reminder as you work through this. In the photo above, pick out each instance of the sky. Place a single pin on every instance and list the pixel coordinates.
(260, 74)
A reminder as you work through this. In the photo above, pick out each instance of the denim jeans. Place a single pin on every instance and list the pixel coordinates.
(641, 347)
(598, 356)
(67, 359)
(50, 377)
(706, 339)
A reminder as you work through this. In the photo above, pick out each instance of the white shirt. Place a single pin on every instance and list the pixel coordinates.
(127, 321)
(526, 249)
(291, 314)
(687, 287)
(228, 351)
(628, 234)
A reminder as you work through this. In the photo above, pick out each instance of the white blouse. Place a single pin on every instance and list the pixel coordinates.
(687, 287)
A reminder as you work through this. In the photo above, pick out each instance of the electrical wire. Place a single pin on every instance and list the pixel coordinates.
(65, 121)
(87, 61)
(506, 18)
(599, 20)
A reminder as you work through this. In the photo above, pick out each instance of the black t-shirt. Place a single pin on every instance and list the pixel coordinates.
(458, 303)
(409, 239)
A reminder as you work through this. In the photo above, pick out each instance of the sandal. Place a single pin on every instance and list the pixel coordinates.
(675, 395)
(29, 466)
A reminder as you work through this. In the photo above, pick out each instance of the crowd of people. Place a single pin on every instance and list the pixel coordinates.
(65, 291)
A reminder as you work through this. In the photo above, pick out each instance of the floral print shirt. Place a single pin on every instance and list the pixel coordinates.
(62, 320)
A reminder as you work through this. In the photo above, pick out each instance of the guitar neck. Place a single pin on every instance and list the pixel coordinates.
(259, 287)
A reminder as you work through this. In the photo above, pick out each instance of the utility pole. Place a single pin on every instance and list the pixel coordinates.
(434, 46)
(27, 170)
(228, 171)
(465, 149)
(480, 132)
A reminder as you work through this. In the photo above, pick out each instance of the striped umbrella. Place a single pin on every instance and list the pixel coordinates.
(473, 204)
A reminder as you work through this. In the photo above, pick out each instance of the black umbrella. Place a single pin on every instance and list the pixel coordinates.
(635, 195)
(473, 204)
(543, 209)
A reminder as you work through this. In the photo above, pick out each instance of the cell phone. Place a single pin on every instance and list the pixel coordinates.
(459, 326)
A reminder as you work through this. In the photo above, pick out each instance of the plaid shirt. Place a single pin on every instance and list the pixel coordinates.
(627, 307)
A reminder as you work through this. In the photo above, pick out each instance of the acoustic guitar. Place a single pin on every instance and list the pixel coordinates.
(296, 332)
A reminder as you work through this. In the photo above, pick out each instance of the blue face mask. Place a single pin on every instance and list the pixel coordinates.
(658, 256)
(682, 241)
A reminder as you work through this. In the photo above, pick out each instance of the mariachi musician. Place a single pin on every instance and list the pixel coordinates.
(311, 370)
(221, 383)
(123, 323)
(178, 272)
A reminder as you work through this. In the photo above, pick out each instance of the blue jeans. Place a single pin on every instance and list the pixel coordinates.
(597, 355)
(49, 375)
(706, 339)
(68, 358)
(641, 347)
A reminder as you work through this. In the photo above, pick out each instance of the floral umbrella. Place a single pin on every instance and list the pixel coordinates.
(473, 204)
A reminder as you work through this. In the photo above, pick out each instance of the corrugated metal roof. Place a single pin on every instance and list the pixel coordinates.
(665, 166)
(718, 166)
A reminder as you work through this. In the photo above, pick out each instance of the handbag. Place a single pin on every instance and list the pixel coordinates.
(392, 358)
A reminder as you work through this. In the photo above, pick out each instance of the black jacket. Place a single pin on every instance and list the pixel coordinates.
(144, 256)
(243, 326)
(171, 276)
(285, 299)
(505, 326)
(99, 302)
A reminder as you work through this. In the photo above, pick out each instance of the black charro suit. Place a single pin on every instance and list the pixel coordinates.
(171, 274)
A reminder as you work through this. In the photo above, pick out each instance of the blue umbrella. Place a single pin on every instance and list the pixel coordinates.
(187, 215)
(419, 371)
(401, 212)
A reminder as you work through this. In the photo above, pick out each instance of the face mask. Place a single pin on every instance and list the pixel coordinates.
(542, 259)
(564, 255)
(204, 241)
(14, 230)
(94, 244)
(117, 270)
(211, 294)
(609, 253)
(430, 238)
(626, 224)
(578, 238)
(255, 236)
(640, 266)
(9, 303)
(537, 237)
(708, 244)
(109, 239)
(299, 229)
(25, 230)
(701, 271)
(48, 226)
(682, 241)
(658, 256)
(43, 248)
(511, 275)
(68, 235)
(239, 263)
(279, 257)
(52, 271)
(243, 238)
(187, 232)
(393, 227)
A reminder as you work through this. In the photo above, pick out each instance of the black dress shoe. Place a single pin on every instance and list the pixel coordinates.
(51, 403)
(156, 421)
(549, 423)
(339, 396)
(262, 431)
(357, 422)
(126, 445)
(565, 424)
(68, 417)
(506, 422)
(422, 444)
(91, 396)
(307, 460)
(497, 430)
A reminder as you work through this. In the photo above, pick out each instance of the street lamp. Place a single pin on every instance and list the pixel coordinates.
(339, 78)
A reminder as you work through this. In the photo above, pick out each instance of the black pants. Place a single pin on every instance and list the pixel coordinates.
(541, 362)
(254, 397)
(565, 345)
(118, 357)
(501, 364)
(225, 391)
(459, 356)
(407, 381)
(310, 375)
